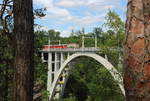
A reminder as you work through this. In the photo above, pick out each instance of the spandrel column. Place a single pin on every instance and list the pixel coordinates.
(49, 79)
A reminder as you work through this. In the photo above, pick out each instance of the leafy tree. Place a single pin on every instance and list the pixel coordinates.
(6, 68)
(98, 32)
(114, 22)
(76, 88)
(6, 51)
(41, 38)
(72, 33)
(116, 26)
(53, 35)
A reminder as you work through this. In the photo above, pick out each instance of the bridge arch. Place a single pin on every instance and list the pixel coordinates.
(115, 74)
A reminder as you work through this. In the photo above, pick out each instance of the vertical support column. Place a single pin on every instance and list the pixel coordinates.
(56, 66)
(63, 74)
(49, 42)
(68, 54)
(58, 60)
(57, 63)
(49, 79)
(42, 56)
(59, 42)
(82, 41)
(61, 58)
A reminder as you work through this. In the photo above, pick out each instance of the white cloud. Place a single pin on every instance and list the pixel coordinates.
(58, 11)
(65, 33)
(103, 5)
(100, 4)
(40, 28)
(78, 21)
(52, 11)
(71, 3)
(86, 20)
(45, 3)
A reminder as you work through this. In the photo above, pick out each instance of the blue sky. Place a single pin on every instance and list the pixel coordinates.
(65, 15)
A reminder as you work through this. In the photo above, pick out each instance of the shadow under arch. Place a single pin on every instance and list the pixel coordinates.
(115, 74)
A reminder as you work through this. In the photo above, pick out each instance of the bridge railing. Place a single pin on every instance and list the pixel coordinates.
(90, 49)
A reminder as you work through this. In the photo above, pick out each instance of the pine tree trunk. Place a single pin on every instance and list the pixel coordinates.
(137, 51)
(23, 30)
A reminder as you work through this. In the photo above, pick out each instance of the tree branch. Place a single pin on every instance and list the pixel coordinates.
(4, 17)
(3, 8)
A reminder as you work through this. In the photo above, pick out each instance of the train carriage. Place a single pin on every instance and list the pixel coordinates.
(62, 46)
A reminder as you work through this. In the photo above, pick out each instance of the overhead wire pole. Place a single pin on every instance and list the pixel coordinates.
(49, 42)
(59, 42)
(95, 41)
(83, 41)
(83, 38)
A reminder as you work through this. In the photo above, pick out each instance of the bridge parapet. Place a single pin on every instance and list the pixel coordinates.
(90, 49)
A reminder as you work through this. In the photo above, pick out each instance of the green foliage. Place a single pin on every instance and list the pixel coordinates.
(6, 68)
(114, 22)
(41, 38)
(45, 95)
(77, 88)
(71, 98)
(40, 71)
(53, 35)
(98, 32)
(99, 84)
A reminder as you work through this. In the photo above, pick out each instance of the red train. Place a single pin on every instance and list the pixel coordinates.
(61, 46)
(55, 46)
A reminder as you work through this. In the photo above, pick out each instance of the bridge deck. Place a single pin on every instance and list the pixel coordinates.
(91, 49)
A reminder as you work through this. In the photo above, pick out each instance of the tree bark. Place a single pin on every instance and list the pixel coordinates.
(23, 29)
(137, 51)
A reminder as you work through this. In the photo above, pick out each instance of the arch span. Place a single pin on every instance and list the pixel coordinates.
(115, 74)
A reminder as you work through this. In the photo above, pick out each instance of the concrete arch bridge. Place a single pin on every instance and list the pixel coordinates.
(58, 72)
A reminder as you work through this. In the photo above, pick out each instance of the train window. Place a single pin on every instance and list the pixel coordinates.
(45, 56)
